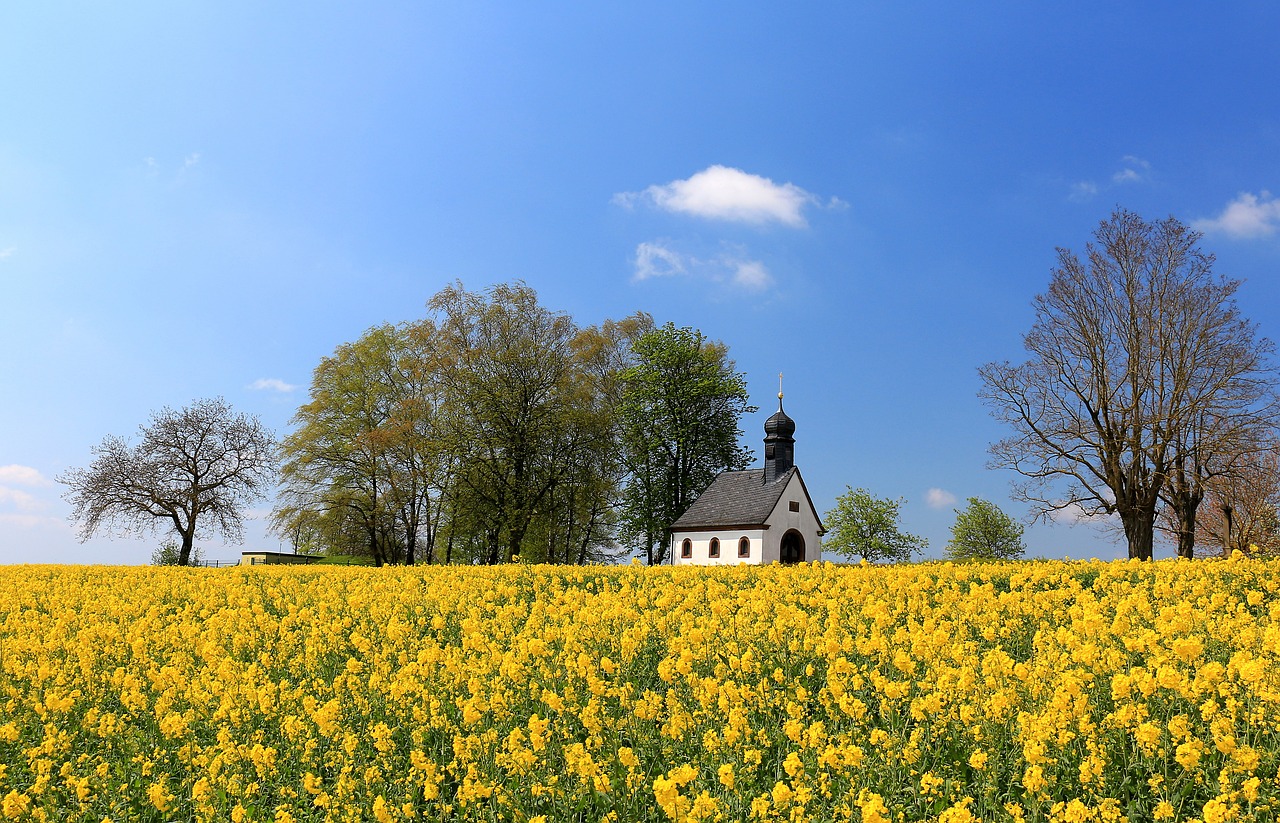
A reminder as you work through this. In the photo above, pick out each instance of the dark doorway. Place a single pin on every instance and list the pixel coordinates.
(792, 547)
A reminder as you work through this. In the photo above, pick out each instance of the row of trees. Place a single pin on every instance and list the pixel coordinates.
(495, 428)
(865, 526)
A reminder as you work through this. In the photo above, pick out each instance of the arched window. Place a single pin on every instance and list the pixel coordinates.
(686, 548)
(744, 547)
(713, 550)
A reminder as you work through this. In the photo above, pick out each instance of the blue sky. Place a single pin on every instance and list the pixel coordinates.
(202, 199)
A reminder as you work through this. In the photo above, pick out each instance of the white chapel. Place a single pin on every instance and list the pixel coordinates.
(753, 516)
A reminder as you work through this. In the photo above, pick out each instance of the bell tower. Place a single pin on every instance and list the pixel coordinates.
(779, 444)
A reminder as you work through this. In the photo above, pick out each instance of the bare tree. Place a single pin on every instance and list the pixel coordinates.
(194, 469)
(1218, 454)
(1134, 353)
(1242, 509)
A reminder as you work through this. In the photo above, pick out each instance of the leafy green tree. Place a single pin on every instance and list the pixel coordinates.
(864, 526)
(983, 532)
(485, 431)
(679, 412)
(524, 416)
(170, 552)
(338, 462)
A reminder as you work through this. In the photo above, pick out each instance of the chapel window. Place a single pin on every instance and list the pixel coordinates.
(686, 548)
(744, 547)
(713, 550)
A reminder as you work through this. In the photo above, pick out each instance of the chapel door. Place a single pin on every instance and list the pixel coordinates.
(792, 547)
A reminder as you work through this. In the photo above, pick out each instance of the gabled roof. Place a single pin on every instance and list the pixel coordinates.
(735, 499)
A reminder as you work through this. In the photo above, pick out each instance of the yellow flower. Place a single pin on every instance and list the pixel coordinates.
(160, 796)
(872, 807)
(1033, 780)
(1188, 754)
(15, 804)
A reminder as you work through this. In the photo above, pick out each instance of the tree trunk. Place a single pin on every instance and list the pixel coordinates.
(1139, 530)
(375, 549)
(1187, 542)
(1185, 513)
(184, 555)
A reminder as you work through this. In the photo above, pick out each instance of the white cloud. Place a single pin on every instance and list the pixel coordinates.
(20, 500)
(1249, 215)
(723, 193)
(655, 260)
(939, 498)
(660, 260)
(271, 384)
(7, 253)
(751, 275)
(23, 475)
(1073, 514)
(1135, 170)
(1082, 191)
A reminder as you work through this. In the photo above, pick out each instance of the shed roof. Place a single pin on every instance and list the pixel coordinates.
(735, 499)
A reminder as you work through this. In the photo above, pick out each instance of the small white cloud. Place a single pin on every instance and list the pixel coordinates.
(1135, 170)
(939, 498)
(191, 160)
(1082, 191)
(23, 476)
(750, 275)
(20, 500)
(271, 384)
(7, 253)
(723, 193)
(655, 260)
(1249, 215)
(1073, 514)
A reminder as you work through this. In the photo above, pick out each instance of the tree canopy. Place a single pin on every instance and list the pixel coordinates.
(861, 525)
(681, 401)
(983, 532)
(193, 470)
(486, 431)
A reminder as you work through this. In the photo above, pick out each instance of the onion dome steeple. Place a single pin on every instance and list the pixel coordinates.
(779, 444)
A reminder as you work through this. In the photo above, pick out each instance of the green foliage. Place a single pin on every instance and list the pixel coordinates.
(169, 553)
(485, 431)
(864, 526)
(983, 532)
(681, 403)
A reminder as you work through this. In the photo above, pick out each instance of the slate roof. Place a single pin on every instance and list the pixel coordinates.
(734, 499)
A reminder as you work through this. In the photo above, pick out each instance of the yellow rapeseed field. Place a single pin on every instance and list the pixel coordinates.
(1020, 691)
